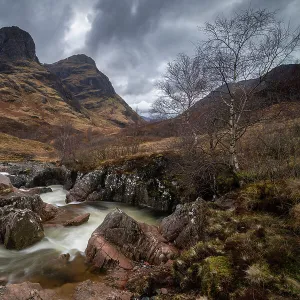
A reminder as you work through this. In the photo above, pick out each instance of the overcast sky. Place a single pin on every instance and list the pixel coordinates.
(130, 40)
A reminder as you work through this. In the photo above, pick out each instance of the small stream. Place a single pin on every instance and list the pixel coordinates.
(32, 263)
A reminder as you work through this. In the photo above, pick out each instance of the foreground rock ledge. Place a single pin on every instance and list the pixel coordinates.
(120, 240)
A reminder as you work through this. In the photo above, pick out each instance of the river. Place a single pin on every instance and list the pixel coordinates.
(33, 263)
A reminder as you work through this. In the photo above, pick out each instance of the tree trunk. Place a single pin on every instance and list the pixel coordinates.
(233, 139)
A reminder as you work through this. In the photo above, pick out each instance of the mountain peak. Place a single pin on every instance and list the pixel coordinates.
(80, 58)
(16, 44)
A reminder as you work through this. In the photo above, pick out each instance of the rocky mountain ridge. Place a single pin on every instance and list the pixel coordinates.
(36, 98)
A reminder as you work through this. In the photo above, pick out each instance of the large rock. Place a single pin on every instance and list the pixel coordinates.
(119, 240)
(21, 217)
(85, 186)
(142, 182)
(32, 174)
(20, 228)
(5, 185)
(184, 225)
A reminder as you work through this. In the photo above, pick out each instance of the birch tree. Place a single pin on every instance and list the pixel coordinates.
(182, 85)
(245, 46)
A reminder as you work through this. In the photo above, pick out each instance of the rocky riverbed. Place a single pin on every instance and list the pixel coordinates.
(71, 243)
(56, 253)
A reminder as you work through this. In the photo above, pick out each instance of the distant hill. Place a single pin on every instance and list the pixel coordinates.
(281, 88)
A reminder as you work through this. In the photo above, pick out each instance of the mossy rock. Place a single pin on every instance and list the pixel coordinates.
(216, 276)
(274, 197)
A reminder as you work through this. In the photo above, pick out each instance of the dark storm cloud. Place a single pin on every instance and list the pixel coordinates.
(46, 21)
(131, 40)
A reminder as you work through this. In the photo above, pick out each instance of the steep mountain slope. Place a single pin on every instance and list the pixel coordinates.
(31, 98)
(93, 90)
(35, 99)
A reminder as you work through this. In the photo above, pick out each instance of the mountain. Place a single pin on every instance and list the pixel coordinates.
(35, 98)
(32, 99)
(93, 91)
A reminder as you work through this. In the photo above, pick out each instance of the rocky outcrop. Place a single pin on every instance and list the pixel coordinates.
(143, 182)
(31, 174)
(77, 220)
(185, 224)
(16, 44)
(120, 240)
(82, 70)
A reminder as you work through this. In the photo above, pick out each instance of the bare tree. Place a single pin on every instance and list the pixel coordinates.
(181, 87)
(246, 46)
(67, 140)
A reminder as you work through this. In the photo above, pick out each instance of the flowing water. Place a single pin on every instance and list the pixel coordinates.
(33, 263)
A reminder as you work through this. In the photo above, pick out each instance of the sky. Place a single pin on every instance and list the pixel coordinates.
(131, 40)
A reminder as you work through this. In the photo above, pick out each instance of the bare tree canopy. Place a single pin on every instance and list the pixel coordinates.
(181, 87)
(245, 46)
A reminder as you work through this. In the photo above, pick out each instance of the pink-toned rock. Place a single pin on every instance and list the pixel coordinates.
(26, 291)
(102, 254)
(49, 212)
(120, 240)
(78, 220)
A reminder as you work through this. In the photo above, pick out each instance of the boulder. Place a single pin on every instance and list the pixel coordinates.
(78, 220)
(185, 224)
(26, 291)
(5, 185)
(85, 186)
(20, 228)
(119, 240)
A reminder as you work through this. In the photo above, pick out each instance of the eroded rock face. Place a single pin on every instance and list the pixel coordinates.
(20, 228)
(119, 240)
(37, 175)
(184, 225)
(16, 44)
(135, 182)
